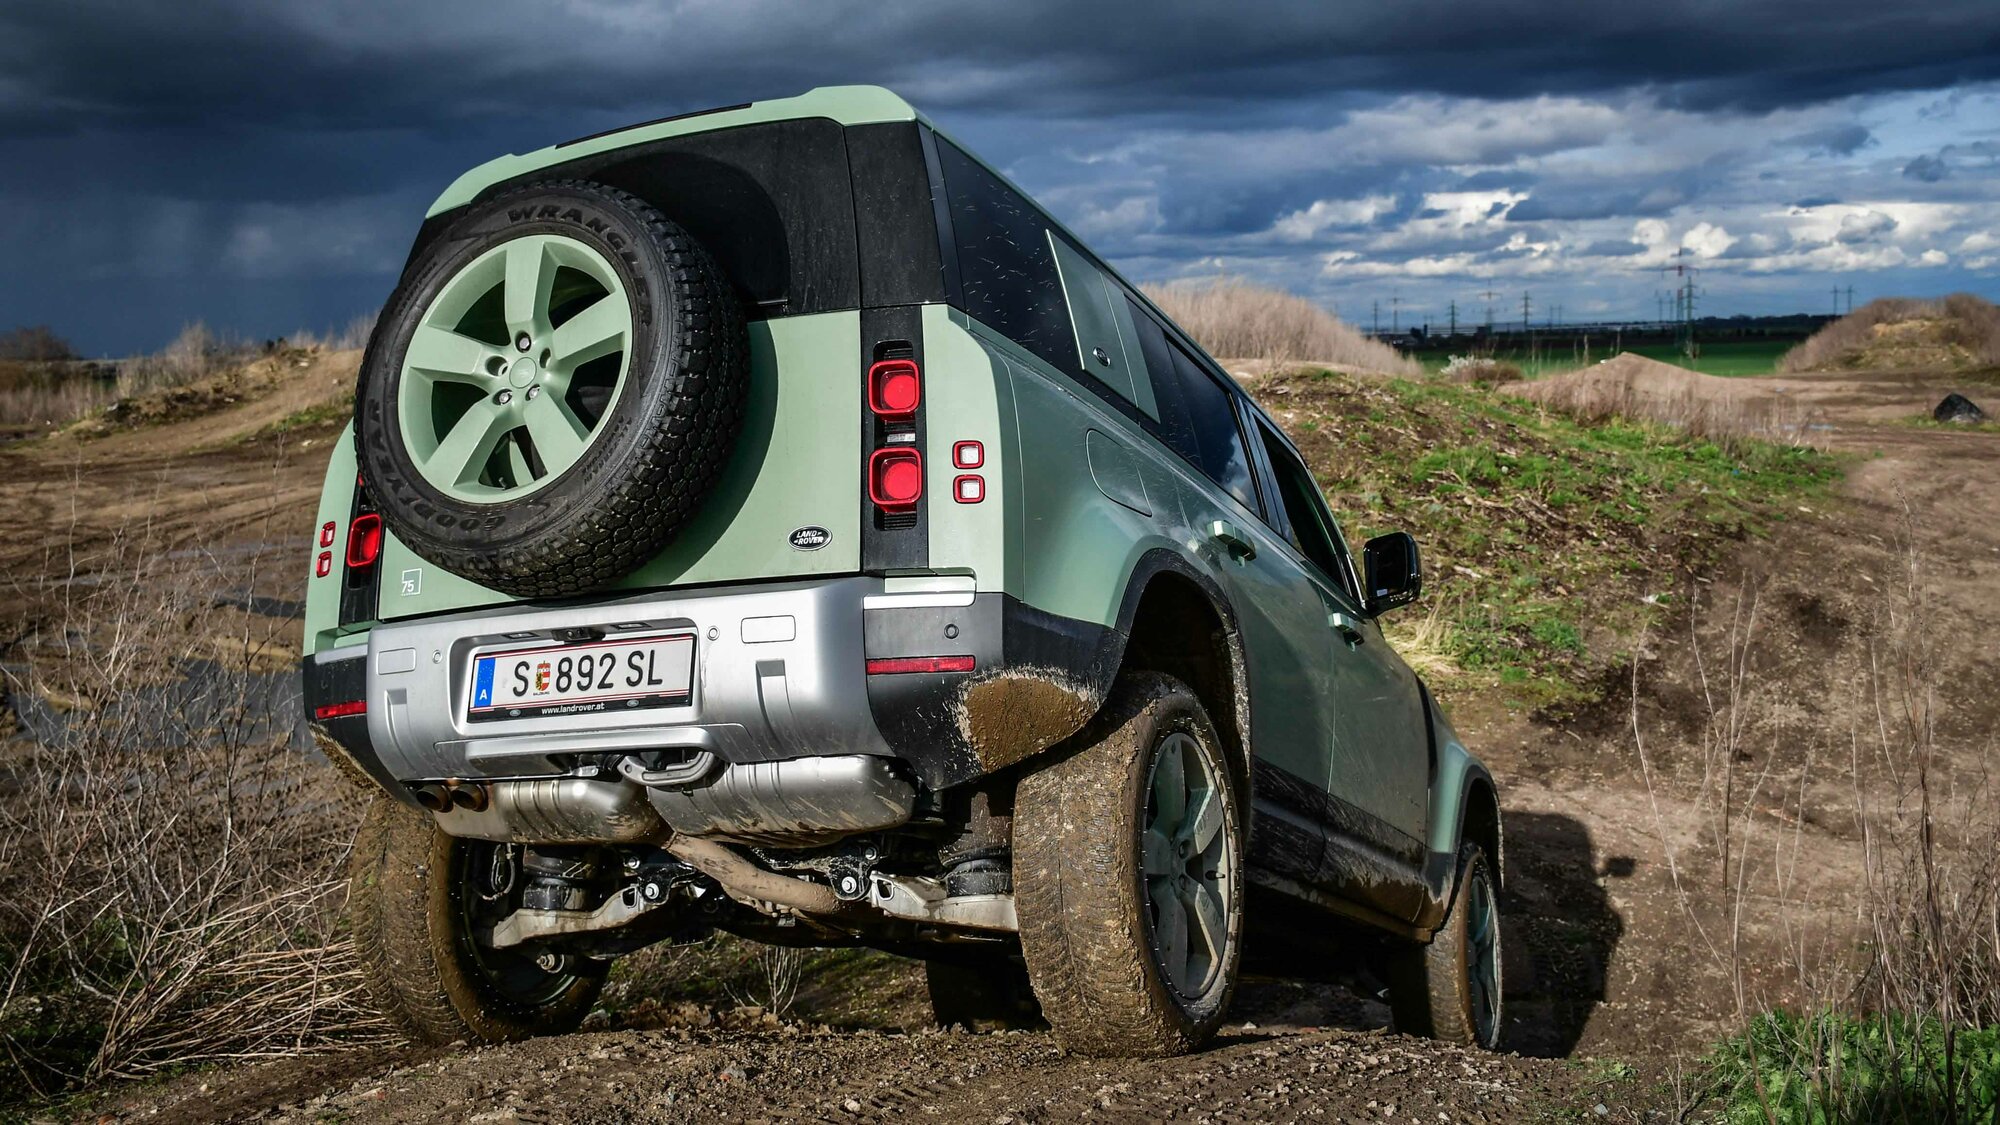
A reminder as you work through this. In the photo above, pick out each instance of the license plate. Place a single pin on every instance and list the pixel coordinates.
(583, 679)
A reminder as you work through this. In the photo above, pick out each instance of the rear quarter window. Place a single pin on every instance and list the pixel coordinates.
(1007, 272)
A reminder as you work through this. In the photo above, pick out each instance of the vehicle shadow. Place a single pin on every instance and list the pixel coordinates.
(1561, 931)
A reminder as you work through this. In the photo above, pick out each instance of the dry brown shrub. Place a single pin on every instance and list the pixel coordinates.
(169, 865)
(1955, 331)
(1643, 390)
(1913, 938)
(1238, 320)
(1479, 371)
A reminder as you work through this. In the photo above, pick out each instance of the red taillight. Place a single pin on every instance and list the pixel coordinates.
(340, 710)
(892, 665)
(895, 388)
(364, 540)
(895, 478)
(323, 565)
(326, 533)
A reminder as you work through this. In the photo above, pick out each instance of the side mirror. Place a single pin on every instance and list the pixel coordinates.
(1394, 572)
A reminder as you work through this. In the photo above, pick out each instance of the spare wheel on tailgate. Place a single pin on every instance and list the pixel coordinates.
(552, 390)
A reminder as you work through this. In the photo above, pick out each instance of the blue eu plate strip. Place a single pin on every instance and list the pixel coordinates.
(482, 684)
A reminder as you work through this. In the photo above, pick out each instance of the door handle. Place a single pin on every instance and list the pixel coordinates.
(1347, 626)
(1232, 537)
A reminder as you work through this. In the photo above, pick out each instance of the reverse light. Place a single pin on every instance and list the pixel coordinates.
(894, 665)
(364, 540)
(895, 478)
(340, 710)
(894, 389)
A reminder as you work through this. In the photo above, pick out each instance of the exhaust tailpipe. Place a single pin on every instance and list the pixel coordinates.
(432, 796)
(467, 795)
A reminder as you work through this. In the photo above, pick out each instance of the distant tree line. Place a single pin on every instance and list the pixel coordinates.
(35, 343)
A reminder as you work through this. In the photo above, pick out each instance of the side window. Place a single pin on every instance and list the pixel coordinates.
(1313, 532)
(1007, 272)
(1210, 421)
(1105, 346)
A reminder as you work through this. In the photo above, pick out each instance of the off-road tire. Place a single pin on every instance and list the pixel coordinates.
(1079, 892)
(1430, 986)
(655, 455)
(987, 995)
(404, 917)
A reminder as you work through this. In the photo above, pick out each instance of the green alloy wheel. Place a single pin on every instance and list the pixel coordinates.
(552, 391)
(513, 368)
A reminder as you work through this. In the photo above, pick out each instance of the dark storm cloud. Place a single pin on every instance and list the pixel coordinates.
(376, 63)
(1929, 169)
(249, 159)
(1834, 140)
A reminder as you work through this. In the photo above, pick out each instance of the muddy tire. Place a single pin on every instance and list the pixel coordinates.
(992, 995)
(1128, 877)
(1450, 989)
(412, 892)
(552, 390)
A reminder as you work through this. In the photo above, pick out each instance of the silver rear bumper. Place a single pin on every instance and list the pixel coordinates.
(779, 708)
(779, 674)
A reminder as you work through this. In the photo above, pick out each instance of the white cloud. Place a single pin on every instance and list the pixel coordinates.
(1325, 214)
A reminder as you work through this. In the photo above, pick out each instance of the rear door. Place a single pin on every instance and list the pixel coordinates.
(1380, 759)
(1285, 645)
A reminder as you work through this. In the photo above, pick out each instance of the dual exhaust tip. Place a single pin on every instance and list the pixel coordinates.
(443, 796)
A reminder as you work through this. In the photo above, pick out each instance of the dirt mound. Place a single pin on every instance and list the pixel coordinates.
(277, 392)
(1634, 387)
(1956, 333)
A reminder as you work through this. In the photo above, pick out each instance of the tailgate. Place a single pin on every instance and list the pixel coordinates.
(793, 470)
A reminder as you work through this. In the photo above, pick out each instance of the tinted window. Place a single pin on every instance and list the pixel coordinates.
(1211, 424)
(1304, 509)
(1007, 273)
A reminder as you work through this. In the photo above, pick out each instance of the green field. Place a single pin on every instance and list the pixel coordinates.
(1733, 357)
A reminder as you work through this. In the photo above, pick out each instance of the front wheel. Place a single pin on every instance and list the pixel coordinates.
(418, 902)
(1450, 989)
(1128, 877)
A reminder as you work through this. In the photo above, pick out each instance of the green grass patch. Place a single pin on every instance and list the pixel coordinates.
(1547, 543)
(315, 417)
(1834, 1068)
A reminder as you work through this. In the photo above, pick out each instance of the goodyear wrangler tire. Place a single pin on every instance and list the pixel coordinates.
(1128, 877)
(416, 900)
(551, 391)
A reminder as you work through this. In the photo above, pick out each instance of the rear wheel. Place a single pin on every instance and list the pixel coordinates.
(1127, 875)
(1450, 989)
(418, 903)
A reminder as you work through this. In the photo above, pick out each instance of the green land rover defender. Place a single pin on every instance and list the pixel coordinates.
(769, 520)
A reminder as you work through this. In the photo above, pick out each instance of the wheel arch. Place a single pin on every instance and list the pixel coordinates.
(1167, 601)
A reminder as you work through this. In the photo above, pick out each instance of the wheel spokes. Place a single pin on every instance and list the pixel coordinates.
(462, 455)
(559, 435)
(1170, 788)
(1159, 856)
(1204, 820)
(1210, 917)
(597, 331)
(442, 355)
(1170, 933)
(531, 273)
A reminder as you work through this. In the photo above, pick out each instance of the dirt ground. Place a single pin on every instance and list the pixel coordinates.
(1613, 914)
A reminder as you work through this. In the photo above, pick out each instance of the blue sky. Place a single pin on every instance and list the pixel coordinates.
(263, 164)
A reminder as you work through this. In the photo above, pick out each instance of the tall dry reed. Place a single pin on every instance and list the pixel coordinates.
(1237, 320)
